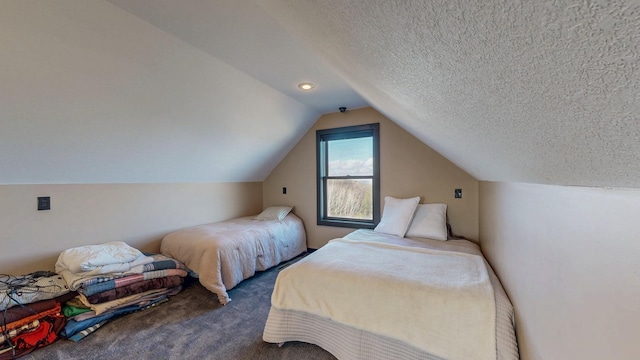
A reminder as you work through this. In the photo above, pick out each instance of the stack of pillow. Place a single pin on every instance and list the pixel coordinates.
(406, 217)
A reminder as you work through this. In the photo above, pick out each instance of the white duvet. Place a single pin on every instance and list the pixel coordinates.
(225, 253)
(441, 302)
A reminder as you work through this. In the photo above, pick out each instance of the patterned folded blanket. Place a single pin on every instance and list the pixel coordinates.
(135, 288)
(101, 284)
(26, 289)
(161, 262)
(161, 266)
(92, 318)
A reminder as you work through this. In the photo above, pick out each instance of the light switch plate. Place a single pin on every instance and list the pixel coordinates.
(44, 203)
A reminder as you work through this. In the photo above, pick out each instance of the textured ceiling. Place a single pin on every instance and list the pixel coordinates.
(526, 91)
(543, 91)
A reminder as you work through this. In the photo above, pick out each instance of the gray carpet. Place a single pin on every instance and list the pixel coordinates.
(192, 325)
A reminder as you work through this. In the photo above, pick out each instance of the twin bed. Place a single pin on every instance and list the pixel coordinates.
(374, 294)
(223, 254)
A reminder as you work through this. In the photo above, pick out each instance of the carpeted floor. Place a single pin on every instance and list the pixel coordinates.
(192, 325)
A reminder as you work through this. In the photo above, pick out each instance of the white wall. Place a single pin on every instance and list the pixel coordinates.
(139, 214)
(92, 94)
(569, 258)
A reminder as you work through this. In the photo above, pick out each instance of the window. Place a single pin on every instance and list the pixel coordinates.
(348, 161)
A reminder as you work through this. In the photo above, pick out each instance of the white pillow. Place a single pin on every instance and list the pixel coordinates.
(430, 221)
(397, 215)
(274, 213)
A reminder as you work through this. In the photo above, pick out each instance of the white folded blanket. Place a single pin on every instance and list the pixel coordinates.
(91, 257)
(80, 263)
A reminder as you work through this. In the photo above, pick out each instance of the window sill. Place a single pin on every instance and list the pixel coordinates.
(347, 223)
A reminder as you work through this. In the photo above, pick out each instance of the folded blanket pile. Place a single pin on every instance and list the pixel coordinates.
(112, 280)
(93, 284)
(31, 312)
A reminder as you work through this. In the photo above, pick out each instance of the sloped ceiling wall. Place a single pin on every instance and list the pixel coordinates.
(242, 34)
(525, 91)
(92, 94)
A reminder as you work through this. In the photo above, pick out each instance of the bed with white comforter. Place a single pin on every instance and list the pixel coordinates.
(377, 296)
(223, 254)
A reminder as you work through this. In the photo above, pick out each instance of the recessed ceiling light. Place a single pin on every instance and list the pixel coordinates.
(306, 86)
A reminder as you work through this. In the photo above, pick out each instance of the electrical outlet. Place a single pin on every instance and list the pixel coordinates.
(284, 190)
(44, 203)
(457, 193)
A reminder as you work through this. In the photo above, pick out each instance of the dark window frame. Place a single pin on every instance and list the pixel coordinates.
(348, 132)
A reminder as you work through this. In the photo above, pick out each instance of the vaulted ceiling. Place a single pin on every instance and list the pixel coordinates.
(527, 91)
(544, 91)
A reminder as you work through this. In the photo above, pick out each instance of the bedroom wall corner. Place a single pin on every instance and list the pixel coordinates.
(568, 259)
(138, 214)
(408, 168)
